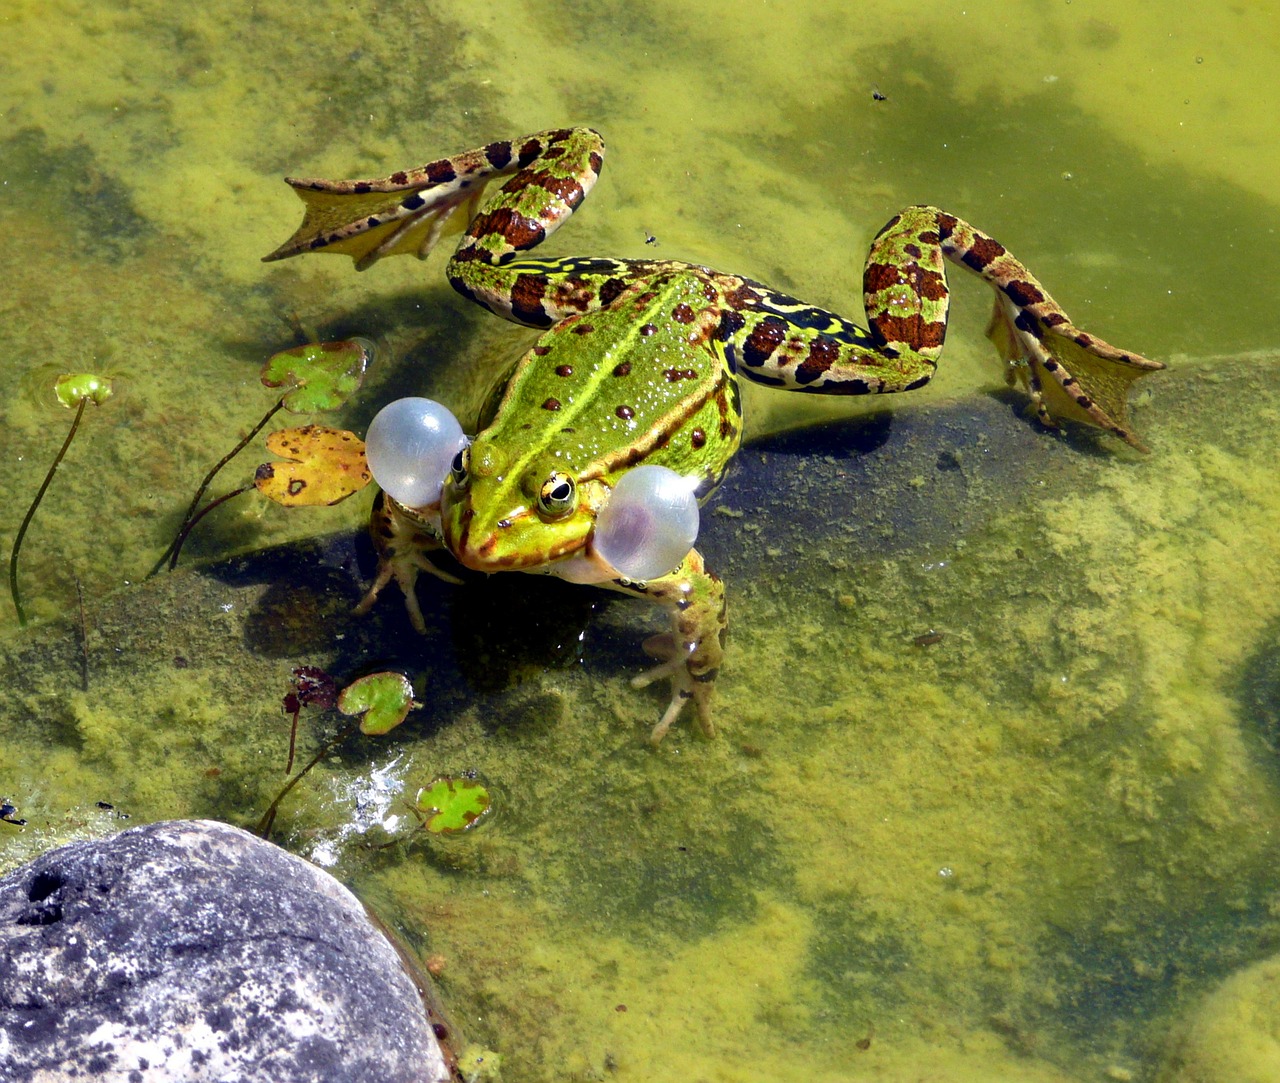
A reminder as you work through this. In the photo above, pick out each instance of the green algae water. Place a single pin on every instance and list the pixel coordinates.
(996, 780)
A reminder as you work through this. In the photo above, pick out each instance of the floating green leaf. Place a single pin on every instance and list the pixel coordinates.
(72, 387)
(323, 375)
(320, 467)
(452, 804)
(383, 698)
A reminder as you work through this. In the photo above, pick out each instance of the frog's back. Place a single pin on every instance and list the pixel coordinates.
(641, 380)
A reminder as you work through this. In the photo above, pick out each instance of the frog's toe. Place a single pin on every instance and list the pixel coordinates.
(685, 685)
(406, 579)
(679, 697)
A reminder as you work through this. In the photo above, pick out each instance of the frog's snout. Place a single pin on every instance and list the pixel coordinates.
(478, 547)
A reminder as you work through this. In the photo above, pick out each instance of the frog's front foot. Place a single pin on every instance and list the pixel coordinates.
(402, 546)
(678, 666)
(691, 653)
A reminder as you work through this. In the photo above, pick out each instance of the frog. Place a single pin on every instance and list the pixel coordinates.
(610, 432)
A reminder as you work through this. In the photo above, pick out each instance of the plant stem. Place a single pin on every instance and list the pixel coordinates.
(31, 511)
(185, 529)
(189, 525)
(269, 817)
(84, 640)
(293, 740)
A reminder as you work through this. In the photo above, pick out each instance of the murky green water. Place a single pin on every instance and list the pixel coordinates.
(1022, 852)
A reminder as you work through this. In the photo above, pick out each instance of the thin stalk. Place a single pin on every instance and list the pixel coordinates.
(31, 511)
(84, 639)
(293, 739)
(269, 817)
(185, 529)
(189, 525)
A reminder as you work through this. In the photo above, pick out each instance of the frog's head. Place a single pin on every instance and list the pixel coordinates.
(500, 509)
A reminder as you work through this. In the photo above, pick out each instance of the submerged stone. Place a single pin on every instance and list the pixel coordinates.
(1233, 1034)
(192, 951)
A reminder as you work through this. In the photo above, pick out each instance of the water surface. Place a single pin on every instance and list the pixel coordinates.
(1028, 847)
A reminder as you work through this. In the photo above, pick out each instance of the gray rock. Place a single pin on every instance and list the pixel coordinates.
(191, 950)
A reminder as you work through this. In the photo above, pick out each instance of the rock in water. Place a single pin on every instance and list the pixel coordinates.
(193, 951)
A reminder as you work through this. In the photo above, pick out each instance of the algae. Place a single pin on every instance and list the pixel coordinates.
(989, 794)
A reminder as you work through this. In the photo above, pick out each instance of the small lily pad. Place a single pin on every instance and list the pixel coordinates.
(323, 375)
(72, 387)
(452, 804)
(322, 467)
(383, 698)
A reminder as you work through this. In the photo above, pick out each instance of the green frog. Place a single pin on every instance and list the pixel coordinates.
(600, 445)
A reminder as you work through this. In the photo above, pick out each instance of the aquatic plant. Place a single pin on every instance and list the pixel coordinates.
(312, 687)
(378, 703)
(73, 389)
(380, 700)
(449, 805)
(319, 376)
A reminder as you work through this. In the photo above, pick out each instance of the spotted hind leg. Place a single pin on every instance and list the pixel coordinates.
(780, 341)
(408, 211)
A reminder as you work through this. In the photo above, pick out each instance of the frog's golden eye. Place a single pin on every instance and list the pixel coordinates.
(461, 466)
(558, 495)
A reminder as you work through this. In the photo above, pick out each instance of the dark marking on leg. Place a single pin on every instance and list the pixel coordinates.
(441, 172)
(983, 251)
(1023, 294)
(766, 337)
(823, 353)
(527, 293)
(498, 154)
(610, 289)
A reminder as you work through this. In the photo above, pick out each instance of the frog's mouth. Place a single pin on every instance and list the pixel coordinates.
(517, 542)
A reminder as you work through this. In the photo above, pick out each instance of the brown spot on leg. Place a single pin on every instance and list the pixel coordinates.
(982, 252)
(763, 340)
(823, 353)
(498, 154)
(527, 293)
(1023, 294)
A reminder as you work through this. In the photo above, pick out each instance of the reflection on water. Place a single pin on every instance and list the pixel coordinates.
(995, 778)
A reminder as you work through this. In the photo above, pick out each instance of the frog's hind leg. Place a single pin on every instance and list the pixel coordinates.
(782, 342)
(1067, 372)
(408, 211)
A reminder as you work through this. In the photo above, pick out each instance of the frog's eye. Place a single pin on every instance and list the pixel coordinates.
(409, 446)
(461, 465)
(558, 495)
(649, 524)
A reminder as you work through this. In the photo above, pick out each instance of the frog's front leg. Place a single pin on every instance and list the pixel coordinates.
(690, 654)
(402, 544)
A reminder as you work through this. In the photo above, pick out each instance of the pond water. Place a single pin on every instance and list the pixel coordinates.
(995, 781)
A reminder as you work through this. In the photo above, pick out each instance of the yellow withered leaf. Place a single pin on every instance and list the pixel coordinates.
(321, 466)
